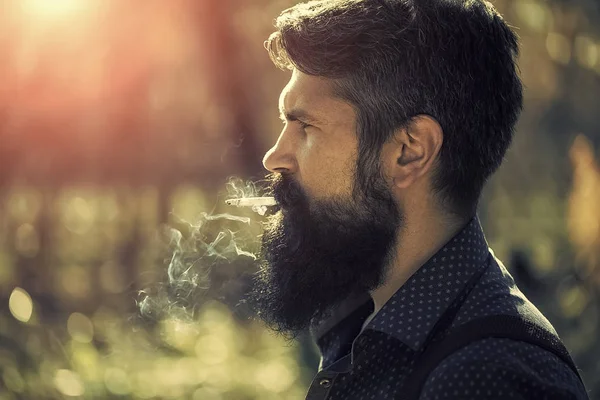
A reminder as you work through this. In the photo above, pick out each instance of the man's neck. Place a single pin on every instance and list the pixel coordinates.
(417, 243)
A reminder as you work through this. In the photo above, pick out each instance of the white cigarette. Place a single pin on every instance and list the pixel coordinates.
(252, 201)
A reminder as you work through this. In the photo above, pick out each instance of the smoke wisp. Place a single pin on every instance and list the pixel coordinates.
(193, 250)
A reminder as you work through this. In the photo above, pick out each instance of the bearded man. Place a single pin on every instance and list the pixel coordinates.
(396, 114)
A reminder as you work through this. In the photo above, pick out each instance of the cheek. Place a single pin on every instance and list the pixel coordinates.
(328, 173)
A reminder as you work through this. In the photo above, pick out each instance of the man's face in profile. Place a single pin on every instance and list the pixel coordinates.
(330, 239)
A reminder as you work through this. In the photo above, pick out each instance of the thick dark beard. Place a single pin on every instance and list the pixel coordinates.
(314, 256)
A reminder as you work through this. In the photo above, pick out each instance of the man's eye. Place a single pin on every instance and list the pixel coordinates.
(304, 125)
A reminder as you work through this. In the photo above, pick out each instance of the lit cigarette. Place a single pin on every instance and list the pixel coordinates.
(252, 201)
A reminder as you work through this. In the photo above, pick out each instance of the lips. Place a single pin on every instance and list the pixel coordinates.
(287, 192)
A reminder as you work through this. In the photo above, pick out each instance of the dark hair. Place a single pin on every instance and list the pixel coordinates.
(454, 60)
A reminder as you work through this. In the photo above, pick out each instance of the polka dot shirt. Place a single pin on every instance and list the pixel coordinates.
(373, 363)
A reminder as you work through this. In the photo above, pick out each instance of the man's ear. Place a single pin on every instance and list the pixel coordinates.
(411, 153)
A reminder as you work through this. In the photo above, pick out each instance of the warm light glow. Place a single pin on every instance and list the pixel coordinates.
(583, 213)
(53, 9)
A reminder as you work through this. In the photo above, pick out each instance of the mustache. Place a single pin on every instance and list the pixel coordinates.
(286, 190)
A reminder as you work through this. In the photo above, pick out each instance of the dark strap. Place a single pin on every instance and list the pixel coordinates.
(497, 326)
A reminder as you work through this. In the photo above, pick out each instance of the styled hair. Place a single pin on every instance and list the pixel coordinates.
(454, 60)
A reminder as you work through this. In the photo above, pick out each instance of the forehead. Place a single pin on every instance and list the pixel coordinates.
(314, 95)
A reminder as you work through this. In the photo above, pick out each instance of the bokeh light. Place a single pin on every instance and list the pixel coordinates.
(68, 383)
(20, 305)
(80, 328)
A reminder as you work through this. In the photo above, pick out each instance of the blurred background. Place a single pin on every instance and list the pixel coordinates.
(120, 121)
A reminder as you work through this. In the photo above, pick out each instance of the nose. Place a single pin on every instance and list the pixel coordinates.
(280, 158)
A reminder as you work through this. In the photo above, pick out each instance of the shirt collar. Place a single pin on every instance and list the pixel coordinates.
(410, 314)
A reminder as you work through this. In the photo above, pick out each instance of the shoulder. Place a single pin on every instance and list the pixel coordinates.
(497, 294)
(498, 368)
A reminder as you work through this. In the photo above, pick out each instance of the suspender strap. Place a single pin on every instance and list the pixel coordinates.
(497, 326)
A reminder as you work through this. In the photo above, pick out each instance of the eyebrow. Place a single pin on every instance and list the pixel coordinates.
(296, 114)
